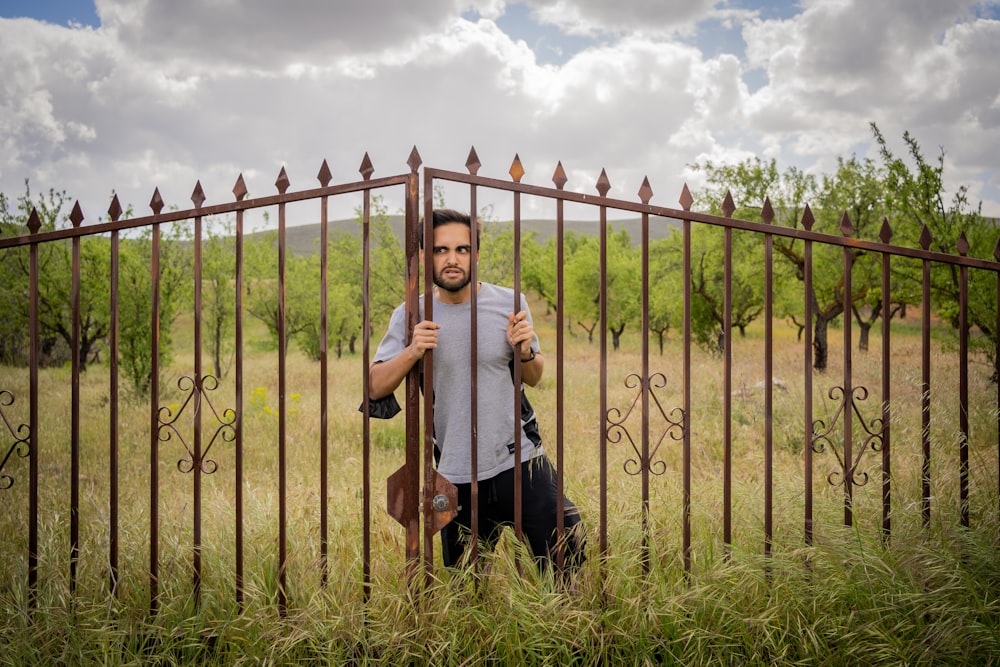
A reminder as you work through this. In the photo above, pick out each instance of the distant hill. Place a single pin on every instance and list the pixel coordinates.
(304, 239)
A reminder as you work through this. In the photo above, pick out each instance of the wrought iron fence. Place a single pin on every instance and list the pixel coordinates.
(207, 427)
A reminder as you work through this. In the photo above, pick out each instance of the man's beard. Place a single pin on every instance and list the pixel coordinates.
(454, 285)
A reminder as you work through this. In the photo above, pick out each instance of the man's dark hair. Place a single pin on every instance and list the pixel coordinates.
(446, 216)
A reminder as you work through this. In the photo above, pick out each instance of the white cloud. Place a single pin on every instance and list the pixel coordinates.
(164, 94)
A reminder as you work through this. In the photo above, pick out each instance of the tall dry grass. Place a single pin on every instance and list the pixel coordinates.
(931, 596)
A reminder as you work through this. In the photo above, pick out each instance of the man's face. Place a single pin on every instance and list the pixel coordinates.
(452, 257)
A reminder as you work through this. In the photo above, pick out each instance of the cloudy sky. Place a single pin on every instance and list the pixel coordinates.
(128, 95)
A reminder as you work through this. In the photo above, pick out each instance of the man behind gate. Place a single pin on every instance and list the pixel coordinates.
(501, 334)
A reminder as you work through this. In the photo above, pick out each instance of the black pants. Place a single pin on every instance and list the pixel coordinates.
(538, 515)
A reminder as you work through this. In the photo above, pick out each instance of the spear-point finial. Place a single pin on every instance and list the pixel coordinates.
(240, 188)
(115, 210)
(76, 215)
(603, 183)
(559, 176)
(516, 169)
(282, 181)
(198, 196)
(645, 192)
(325, 175)
(472, 163)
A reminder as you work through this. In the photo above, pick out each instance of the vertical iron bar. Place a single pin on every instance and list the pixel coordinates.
(807, 371)
(963, 394)
(518, 523)
(474, 377)
(366, 529)
(113, 436)
(282, 417)
(727, 395)
(996, 369)
(239, 379)
(848, 464)
(686, 363)
(413, 316)
(74, 504)
(768, 393)
(199, 382)
(154, 436)
(646, 540)
(603, 323)
(886, 396)
(324, 501)
(428, 450)
(560, 382)
(925, 394)
(33, 361)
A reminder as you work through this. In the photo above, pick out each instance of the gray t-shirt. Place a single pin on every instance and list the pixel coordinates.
(453, 383)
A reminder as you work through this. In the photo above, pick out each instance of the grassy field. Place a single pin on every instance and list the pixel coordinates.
(931, 596)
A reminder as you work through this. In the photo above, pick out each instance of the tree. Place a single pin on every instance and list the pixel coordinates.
(916, 194)
(55, 282)
(55, 311)
(623, 284)
(749, 183)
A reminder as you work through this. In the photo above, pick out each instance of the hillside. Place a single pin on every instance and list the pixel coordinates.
(304, 239)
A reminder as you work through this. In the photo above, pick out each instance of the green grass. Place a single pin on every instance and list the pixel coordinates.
(929, 596)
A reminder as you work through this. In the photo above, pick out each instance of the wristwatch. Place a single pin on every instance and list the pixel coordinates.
(531, 358)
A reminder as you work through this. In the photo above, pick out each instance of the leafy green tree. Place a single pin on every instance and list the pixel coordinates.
(666, 286)
(749, 183)
(623, 281)
(915, 193)
(55, 286)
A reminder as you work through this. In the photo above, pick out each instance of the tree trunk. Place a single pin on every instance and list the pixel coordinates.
(864, 328)
(616, 336)
(821, 347)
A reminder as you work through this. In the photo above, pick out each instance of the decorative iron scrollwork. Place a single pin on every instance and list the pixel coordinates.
(874, 429)
(167, 419)
(617, 432)
(20, 446)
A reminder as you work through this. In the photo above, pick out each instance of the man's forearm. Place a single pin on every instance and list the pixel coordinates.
(385, 376)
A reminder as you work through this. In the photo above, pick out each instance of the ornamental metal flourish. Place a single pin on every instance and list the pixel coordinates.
(20, 446)
(197, 392)
(618, 432)
(875, 430)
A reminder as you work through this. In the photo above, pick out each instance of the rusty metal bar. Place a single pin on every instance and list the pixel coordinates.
(113, 397)
(518, 508)
(686, 202)
(644, 330)
(848, 463)
(366, 482)
(76, 217)
(282, 184)
(33, 361)
(154, 428)
(996, 371)
(474, 377)
(768, 393)
(560, 371)
(160, 217)
(603, 323)
(735, 223)
(886, 390)
(240, 192)
(199, 385)
(413, 316)
(727, 396)
(963, 390)
(428, 441)
(324, 391)
(807, 372)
